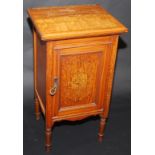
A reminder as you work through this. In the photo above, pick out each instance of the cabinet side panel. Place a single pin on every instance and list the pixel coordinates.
(41, 71)
(110, 75)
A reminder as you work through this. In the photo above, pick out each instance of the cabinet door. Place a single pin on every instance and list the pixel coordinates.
(80, 74)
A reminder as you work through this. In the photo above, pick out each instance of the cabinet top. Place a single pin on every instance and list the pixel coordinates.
(74, 21)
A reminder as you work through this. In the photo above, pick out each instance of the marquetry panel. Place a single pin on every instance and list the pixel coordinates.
(78, 78)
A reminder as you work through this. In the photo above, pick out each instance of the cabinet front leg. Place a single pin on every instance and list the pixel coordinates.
(101, 129)
(48, 139)
(37, 109)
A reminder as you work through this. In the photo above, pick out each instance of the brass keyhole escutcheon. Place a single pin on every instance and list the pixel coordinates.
(54, 88)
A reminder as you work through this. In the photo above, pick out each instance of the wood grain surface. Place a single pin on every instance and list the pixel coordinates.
(54, 23)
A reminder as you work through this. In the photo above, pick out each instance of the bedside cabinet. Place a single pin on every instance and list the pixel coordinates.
(75, 49)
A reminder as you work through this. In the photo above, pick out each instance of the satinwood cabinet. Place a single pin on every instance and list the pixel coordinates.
(75, 49)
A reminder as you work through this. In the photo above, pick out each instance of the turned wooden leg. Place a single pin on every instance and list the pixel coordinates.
(48, 138)
(37, 109)
(101, 129)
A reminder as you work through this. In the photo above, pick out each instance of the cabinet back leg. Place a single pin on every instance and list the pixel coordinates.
(48, 139)
(37, 109)
(101, 129)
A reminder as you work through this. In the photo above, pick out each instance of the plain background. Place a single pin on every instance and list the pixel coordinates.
(81, 137)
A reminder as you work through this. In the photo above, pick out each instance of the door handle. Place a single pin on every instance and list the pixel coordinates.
(55, 86)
